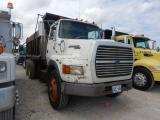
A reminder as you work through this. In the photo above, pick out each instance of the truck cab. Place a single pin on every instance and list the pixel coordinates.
(146, 61)
(10, 33)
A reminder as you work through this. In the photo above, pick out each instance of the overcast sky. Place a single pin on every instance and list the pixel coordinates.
(130, 16)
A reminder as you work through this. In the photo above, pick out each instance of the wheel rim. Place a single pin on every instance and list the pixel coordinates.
(53, 93)
(140, 79)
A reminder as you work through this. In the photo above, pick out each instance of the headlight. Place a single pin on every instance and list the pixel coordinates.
(74, 70)
(3, 68)
(155, 68)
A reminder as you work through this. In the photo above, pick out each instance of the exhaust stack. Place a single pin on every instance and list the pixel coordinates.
(113, 33)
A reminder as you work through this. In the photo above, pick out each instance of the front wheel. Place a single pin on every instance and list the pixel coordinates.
(58, 100)
(142, 79)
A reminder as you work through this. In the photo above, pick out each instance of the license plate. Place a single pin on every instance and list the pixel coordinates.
(116, 89)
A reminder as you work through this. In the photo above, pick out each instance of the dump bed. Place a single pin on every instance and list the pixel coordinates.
(36, 44)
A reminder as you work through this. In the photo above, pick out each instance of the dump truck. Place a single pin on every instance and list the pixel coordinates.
(146, 59)
(10, 33)
(71, 57)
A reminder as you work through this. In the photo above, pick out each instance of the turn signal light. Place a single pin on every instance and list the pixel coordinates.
(1, 49)
(66, 69)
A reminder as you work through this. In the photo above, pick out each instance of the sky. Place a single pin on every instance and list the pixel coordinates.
(129, 16)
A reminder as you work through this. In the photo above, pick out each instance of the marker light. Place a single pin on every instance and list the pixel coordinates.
(155, 68)
(66, 69)
(1, 49)
(10, 5)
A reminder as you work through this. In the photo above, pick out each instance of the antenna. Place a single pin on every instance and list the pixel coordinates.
(101, 13)
(79, 9)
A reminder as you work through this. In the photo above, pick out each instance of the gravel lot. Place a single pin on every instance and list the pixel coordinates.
(132, 105)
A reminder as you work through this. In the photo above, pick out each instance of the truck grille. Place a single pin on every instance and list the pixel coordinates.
(7, 84)
(113, 61)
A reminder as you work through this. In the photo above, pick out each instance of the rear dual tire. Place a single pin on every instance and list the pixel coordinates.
(30, 69)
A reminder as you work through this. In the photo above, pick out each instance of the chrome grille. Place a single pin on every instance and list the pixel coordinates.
(113, 61)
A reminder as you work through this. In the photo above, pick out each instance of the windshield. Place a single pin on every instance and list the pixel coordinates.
(77, 30)
(141, 43)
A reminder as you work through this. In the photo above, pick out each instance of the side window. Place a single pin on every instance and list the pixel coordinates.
(53, 33)
(140, 44)
(93, 35)
(121, 41)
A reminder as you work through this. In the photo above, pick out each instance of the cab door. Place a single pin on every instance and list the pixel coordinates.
(51, 42)
(136, 51)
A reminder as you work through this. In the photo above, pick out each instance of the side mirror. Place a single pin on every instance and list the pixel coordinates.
(157, 49)
(18, 31)
(52, 35)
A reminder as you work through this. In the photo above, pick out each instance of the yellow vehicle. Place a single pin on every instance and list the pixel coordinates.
(146, 61)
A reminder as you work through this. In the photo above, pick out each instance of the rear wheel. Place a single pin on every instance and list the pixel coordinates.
(142, 79)
(30, 69)
(58, 100)
(27, 67)
(8, 114)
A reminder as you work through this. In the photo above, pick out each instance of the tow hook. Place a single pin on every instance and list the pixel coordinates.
(17, 97)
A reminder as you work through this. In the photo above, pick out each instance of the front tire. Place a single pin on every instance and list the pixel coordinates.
(142, 79)
(58, 100)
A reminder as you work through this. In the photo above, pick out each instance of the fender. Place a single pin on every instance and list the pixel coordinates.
(52, 65)
(146, 62)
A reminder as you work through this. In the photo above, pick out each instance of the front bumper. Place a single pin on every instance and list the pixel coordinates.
(92, 90)
(156, 76)
(7, 98)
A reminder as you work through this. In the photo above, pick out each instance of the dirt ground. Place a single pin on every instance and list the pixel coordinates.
(132, 105)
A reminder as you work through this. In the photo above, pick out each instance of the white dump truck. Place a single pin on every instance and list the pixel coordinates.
(10, 33)
(72, 58)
